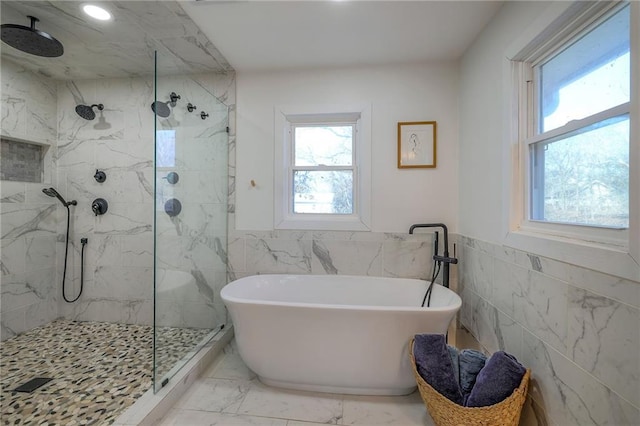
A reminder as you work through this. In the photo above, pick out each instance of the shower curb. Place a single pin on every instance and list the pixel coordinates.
(150, 408)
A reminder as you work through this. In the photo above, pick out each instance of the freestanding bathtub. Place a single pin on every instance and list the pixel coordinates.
(332, 333)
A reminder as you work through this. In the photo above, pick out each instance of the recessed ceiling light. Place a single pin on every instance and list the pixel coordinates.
(96, 12)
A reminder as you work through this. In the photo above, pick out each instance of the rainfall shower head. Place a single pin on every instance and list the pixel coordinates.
(86, 111)
(51, 192)
(31, 40)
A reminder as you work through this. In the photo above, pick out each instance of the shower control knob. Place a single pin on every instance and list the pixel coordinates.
(99, 206)
(100, 176)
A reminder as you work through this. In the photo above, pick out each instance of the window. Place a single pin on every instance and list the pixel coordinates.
(579, 147)
(574, 137)
(322, 170)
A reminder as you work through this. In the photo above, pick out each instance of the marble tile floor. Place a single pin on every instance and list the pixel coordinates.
(99, 370)
(228, 393)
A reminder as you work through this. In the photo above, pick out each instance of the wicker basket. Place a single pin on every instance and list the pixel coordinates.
(447, 413)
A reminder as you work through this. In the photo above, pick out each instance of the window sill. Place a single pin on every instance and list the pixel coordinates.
(609, 260)
(331, 224)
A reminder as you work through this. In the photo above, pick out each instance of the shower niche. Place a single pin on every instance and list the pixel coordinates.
(22, 161)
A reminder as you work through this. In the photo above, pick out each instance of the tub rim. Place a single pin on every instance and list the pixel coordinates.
(308, 305)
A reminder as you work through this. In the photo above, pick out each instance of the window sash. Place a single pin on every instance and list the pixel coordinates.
(322, 167)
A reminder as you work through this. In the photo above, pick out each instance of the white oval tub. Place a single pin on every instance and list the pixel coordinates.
(332, 333)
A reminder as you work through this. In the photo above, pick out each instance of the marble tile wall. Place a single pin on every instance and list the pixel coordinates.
(330, 252)
(577, 330)
(29, 219)
(119, 255)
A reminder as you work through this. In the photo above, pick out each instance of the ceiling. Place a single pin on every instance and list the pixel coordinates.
(275, 35)
(121, 47)
(248, 35)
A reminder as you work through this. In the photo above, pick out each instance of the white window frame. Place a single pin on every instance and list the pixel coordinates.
(286, 118)
(612, 251)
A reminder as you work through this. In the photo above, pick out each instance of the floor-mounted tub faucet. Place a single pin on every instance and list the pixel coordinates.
(437, 258)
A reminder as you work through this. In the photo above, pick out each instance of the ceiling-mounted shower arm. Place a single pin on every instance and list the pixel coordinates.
(191, 107)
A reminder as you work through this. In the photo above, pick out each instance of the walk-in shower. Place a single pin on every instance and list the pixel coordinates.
(142, 285)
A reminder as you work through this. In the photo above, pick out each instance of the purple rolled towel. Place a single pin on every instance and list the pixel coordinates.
(500, 376)
(434, 365)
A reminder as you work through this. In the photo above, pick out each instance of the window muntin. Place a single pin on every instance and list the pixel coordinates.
(323, 172)
(579, 154)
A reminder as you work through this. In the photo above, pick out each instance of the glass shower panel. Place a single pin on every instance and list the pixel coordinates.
(191, 169)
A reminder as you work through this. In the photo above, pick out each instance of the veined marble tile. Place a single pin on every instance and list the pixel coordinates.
(137, 250)
(570, 395)
(267, 401)
(114, 311)
(12, 256)
(40, 252)
(407, 259)
(278, 256)
(385, 410)
(609, 286)
(32, 220)
(536, 301)
(214, 395)
(22, 290)
(115, 282)
(604, 340)
(346, 258)
(230, 367)
(478, 272)
(182, 417)
(12, 192)
(14, 116)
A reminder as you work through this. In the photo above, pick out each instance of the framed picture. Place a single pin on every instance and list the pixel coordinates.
(417, 145)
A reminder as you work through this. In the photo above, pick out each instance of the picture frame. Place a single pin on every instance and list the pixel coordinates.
(417, 145)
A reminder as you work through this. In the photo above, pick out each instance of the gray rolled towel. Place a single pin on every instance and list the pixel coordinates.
(498, 379)
(471, 362)
(434, 365)
(454, 354)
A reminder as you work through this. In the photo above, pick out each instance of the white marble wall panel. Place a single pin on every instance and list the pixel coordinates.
(29, 219)
(346, 258)
(329, 252)
(273, 256)
(407, 259)
(569, 395)
(582, 346)
(604, 340)
(13, 192)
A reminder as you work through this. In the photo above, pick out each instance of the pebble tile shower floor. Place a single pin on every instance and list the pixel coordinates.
(98, 370)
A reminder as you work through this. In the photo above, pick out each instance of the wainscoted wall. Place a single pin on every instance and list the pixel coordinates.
(119, 256)
(29, 219)
(575, 328)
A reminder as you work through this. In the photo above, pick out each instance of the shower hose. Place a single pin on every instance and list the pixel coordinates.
(66, 254)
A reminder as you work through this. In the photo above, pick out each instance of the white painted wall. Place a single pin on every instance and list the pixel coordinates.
(483, 155)
(398, 93)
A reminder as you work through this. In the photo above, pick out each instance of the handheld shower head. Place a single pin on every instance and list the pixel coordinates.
(86, 111)
(51, 192)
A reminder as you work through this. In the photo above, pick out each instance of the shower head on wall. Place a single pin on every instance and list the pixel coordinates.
(161, 109)
(51, 192)
(31, 40)
(86, 111)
